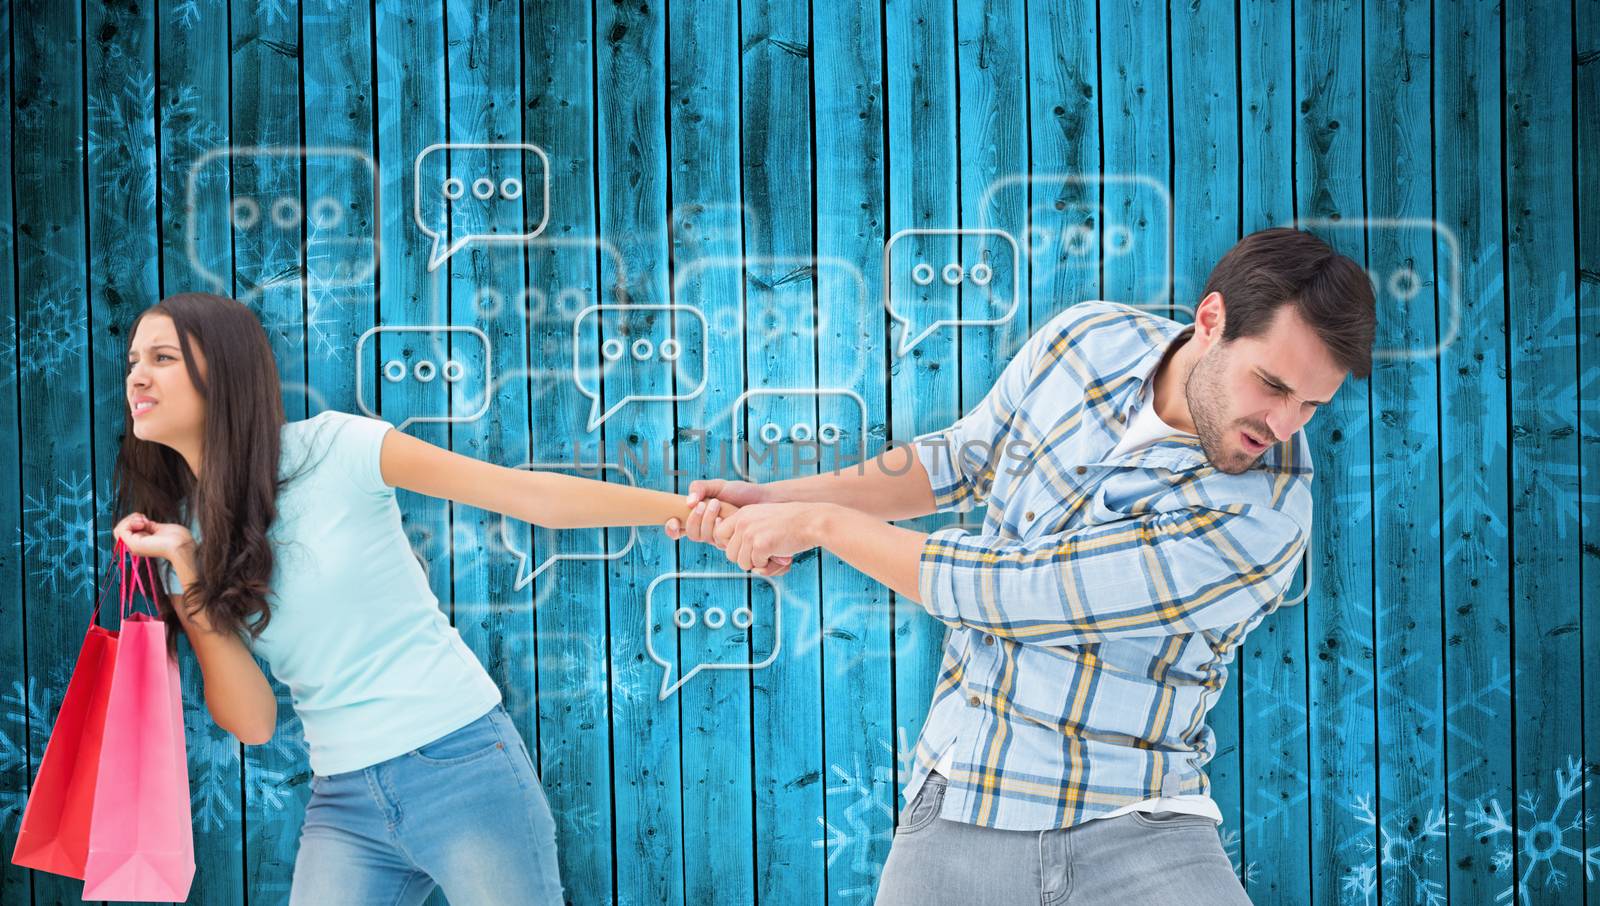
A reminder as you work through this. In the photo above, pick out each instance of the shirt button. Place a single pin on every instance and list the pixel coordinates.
(1081, 469)
(1028, 515)
(974, 701)
(988, 640)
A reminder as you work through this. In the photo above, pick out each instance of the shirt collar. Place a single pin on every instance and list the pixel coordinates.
(1175, 452)
(1144, 369)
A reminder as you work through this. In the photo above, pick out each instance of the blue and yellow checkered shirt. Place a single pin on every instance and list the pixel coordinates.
(1092, 620)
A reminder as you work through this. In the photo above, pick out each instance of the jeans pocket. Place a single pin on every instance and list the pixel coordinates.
(1165, 820)
(470, 743)
(518, 757)
(924, 809)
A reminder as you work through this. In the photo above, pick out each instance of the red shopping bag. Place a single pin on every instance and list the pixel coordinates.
(141, 835)
(55, 823)
(111, 802)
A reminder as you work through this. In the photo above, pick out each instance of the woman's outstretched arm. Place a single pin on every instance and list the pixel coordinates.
(548, 499)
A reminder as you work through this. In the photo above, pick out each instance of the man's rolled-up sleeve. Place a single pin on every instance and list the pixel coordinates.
(1157, 574)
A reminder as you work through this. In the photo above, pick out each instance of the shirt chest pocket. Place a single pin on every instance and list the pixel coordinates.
(1078, 498)
(1040, 512)
(1101, 507)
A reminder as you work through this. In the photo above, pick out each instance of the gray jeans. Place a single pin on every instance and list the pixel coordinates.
(1131, 860)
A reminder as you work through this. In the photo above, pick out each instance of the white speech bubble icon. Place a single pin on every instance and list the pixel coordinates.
(524, 578)
(466, 174)
(1309, 562)
(1395, 284)
(1079, 222)
(992, 276)
(828, 431)
(713, 619)
(541, 306)
(256, 179)
(439, 367)
(776, 315)
(619, 349)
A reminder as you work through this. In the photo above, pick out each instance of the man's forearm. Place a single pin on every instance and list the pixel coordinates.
(888, 553)
(892, 485)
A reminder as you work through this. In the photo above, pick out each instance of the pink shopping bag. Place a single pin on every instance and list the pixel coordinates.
(141, 839)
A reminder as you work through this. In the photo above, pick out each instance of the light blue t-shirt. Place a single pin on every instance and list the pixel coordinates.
(374, 667)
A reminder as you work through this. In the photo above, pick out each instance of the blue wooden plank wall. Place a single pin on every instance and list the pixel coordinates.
(1423, 727)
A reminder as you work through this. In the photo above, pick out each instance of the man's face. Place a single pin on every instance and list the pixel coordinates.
(1248, 394)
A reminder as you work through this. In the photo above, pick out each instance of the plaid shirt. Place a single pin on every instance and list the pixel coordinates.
(1092, 620)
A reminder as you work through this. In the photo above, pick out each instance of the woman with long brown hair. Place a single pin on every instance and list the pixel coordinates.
(284, 540)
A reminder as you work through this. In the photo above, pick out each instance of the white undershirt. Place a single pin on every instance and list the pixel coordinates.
(1145, 428)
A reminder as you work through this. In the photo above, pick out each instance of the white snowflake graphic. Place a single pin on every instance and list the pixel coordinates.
(1231, 845)
(272, 788)
(338, 275)
(903, 753)
(1546, 840)
(1406, 856)
(213, 758)
(1360, 884)
(186, 13)
(13, 793)
(8, 351)
(34, 707)
(286, 325)
(274, 11)
(122, 140)
(322, 329)
(29, 715)
(54, 335)
(1548, 410)
(1275, 804)
(58, 531)
(865, 820)
(187, 134)
(277, 772)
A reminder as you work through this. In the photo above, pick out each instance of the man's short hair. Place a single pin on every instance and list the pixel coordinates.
(1284, 266)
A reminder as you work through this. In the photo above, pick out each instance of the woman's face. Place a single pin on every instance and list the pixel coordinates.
(166, 405)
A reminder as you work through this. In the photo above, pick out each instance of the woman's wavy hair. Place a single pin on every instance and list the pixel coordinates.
(235, 499)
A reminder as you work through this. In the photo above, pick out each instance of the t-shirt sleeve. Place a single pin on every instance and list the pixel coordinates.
(169, 578)
(356, 445)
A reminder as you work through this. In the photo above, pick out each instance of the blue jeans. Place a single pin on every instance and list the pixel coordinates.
(464, 813)
(1130, 860)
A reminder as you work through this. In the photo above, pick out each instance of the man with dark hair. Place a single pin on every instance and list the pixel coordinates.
(1149, 500)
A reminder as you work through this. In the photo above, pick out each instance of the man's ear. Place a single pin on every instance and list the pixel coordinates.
(1209, 317)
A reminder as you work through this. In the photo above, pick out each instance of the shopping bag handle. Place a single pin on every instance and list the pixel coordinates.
(126, 589)
(137, 585)
(117, 554)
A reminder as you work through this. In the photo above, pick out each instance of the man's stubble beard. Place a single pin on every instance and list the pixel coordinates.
(1203, 389)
